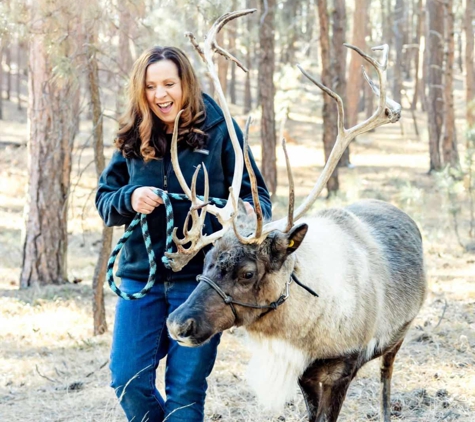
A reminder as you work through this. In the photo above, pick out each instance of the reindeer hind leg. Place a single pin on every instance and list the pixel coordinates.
(387, 362)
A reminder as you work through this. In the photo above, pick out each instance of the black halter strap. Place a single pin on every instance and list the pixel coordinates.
(228, 300)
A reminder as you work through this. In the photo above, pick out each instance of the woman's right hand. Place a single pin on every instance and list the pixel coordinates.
(145, 200)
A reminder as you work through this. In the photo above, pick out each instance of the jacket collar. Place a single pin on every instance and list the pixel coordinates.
(214, 114)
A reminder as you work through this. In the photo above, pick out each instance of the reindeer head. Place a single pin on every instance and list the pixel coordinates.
(238, 282)
(248, 267)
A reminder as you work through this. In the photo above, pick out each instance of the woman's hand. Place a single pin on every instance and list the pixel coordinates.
(145, 200)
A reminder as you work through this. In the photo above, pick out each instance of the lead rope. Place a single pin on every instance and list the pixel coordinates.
(142, 219)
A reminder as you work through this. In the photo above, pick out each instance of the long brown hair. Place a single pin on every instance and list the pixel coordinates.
(141, 133)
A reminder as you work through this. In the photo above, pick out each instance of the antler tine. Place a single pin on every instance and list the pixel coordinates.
(242, 239)
(252, 178)
(226, 54)
(209, 47)
(224, 19)
(175, 237)
(385, 48)
(195, 44)
(174, 155)
(290, 213)
(193, 187)
(334, 95)
(388, 111)
(185, 227)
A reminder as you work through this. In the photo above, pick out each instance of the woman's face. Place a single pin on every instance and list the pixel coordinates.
(164, 93)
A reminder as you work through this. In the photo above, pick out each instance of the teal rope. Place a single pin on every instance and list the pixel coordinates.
(142, 219)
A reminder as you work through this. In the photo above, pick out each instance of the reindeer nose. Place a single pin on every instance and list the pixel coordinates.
(181, 330)
(187, 329)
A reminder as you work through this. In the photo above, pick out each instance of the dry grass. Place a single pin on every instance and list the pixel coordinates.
(52, 369)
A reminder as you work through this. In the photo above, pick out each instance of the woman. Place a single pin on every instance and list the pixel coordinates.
(162, 83)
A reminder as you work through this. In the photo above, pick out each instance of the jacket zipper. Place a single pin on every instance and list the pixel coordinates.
(167, 164)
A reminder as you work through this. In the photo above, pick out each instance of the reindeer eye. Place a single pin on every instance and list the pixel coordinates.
(248, 275)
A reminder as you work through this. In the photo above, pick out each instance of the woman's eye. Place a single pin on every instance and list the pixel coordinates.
(150, 87)
(248, 275)
(169, 85)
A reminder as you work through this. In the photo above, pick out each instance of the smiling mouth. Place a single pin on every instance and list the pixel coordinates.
(165, 106)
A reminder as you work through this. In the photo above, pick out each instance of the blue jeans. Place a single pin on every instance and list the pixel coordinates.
(141, 340)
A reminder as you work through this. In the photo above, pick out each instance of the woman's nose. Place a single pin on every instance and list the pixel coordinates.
(160, 92)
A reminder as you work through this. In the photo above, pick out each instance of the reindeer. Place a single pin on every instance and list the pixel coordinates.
(365, 261)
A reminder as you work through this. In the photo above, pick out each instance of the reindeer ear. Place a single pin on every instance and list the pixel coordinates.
(295, 237)
(281, 245)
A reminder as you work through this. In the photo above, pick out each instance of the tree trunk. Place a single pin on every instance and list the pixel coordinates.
(267, 93)
(469, 77)
(232, 35)
(99, 313)
(18, 74)
(52, 132)
(355, 77)
(368, 92)
(417, 41)
(329, 112)
(1, 81)
(435, 100)
(247, 83)
(386, 21)
(8, 62)
(399, 41)
(338, 62)
(290, 11)
(124, 54)
(449, 143)
(424, 54)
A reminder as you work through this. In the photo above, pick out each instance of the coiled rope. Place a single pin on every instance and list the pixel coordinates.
(142, 219)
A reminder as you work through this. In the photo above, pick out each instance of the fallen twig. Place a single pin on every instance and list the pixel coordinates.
(44, 376)
(97, 370)
(443, 313)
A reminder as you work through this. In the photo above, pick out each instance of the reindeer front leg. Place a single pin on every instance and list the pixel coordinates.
(324, 385)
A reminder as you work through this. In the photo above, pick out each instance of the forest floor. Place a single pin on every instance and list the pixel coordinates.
(53, 369)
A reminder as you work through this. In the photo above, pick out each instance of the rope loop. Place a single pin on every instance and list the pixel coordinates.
(142, 220)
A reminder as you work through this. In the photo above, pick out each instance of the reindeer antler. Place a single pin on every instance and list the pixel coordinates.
(388, 111)
(199, 208)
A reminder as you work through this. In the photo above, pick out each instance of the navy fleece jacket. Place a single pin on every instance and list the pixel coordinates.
(123, 175)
